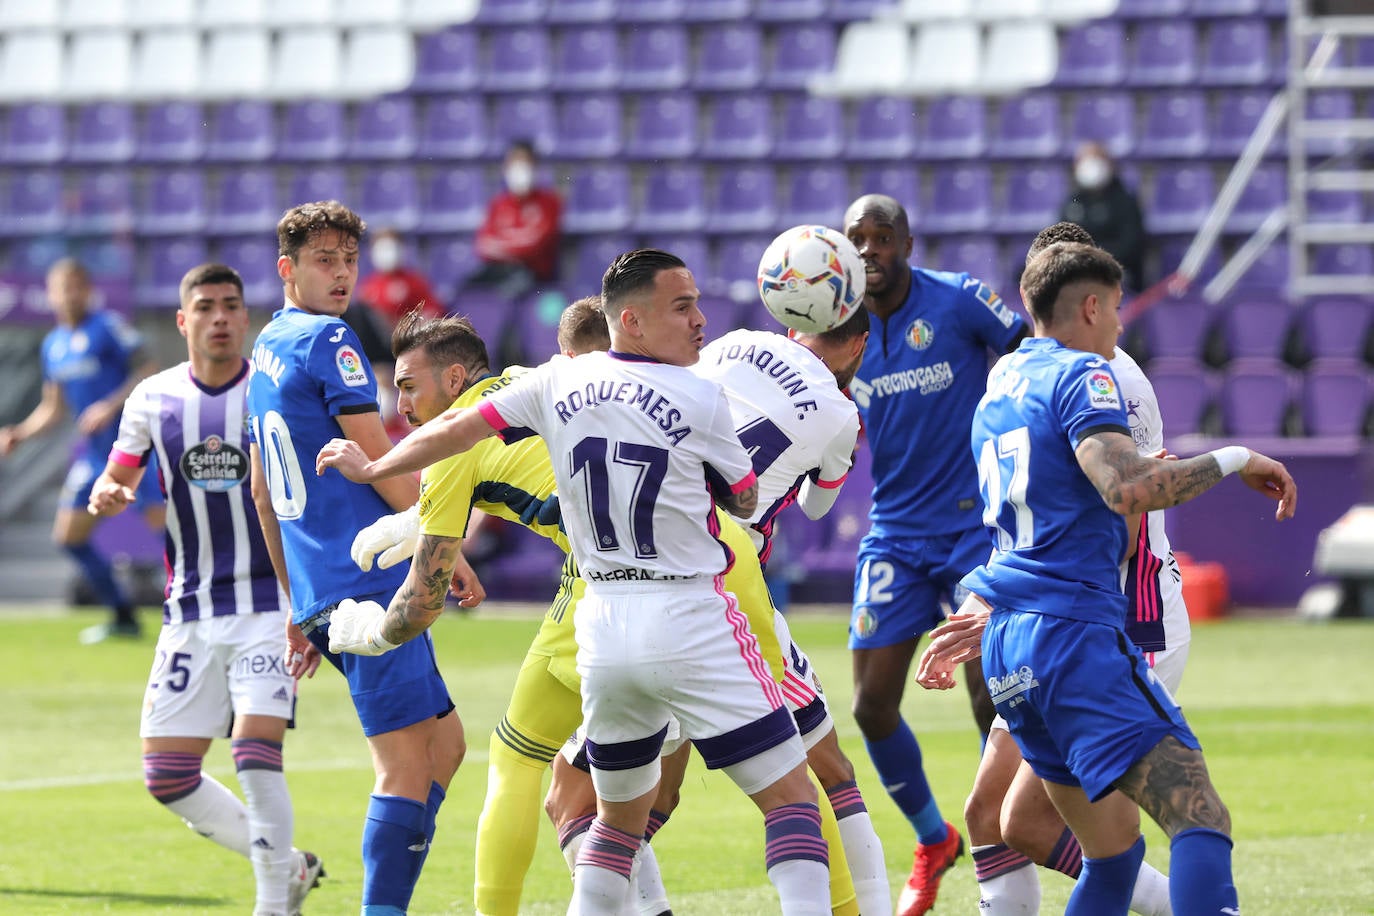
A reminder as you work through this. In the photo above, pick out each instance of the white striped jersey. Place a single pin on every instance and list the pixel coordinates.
(216, 558)
(796, 424)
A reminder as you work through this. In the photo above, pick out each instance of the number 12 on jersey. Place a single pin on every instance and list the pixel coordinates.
(1005, 462)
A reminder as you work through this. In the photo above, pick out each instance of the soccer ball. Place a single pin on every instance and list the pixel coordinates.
(811, 279)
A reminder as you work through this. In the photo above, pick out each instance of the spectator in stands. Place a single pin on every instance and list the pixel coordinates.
(394, 287)
(518, 240)
(1101, 203)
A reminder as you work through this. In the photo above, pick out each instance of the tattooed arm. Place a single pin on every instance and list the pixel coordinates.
(741, 504)
(420, 599)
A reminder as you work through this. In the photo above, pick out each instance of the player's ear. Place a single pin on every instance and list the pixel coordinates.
(285, 267)
(455, 379)
(181, 321)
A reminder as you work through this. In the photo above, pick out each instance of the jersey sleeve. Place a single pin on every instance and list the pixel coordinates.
(1089, 401)
(515, 412)
(133, 445)
(993, 321)
(336, 361)
(446, 490)
(838, 456)
(124, 337)
(728, 466)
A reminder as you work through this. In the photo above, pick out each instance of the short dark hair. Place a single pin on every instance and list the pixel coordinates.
(582, 327)
(301, 222)
(446, 341)
(1060, 265)
(205, 274)
(1064, 231)
(856, 325)
(633, 272)
(523, 145)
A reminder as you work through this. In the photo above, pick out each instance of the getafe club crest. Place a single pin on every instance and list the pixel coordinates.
(920, 334)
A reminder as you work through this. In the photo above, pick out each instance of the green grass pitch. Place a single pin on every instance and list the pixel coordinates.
(1283, 708)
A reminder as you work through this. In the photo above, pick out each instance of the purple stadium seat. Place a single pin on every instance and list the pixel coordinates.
(979, 256)
(715, 10)
(812, 128)
(454, 127)
(1335, 398)
(587, 57)
(695, 251)
(490, 313)
(1181, 199)
(900, 182)
(1356, 260)
(593, 254)
(383, 128)
(104, 203)
(1326, 105)
(455, 200)
(322, 183)
(729, 57)
(448, 261)
(599, 200)
(1032, 197)
(740, 126)
(1336, 328)
(34, 204)
(157, 281)
(1236, 53)
(1165, 53)
(854, 10)
(1237, 114)
(788, 10)
(1255, 397)
(1267, 189)
(816, 195)
(882, 128)
(1226, 7)
(1269, 273)
(312, 129)
(656, 57)
(1028, 127)
(566, 11)
(388, 197)
(1092, 55)
(256, 261)
(588, 126)
(517, 59)
(104, 133)
(960, 199)
(736, 265)
(447, 61)
(664, 126)
(111, 263)
(955, 128)
(1255, 326)
(523, 117)
(1176, 328)
(245, 200)
(1335, 206)
(173, 203)
(674, 200)
(653, 10)
(171, 132)
(1185, 390)
(505, 11)
(1108, 118)
(743, 199)
(800, 51)
(1145, 8)
(35, 132)
(242, 131)
(1176, 124)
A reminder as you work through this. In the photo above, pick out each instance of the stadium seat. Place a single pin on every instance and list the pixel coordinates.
(695, 251)
(1266, 190)
(171, 132)
(1348, 260)
(923, 11)
(1175, 328)
(1176, 124)
(656, 57)
(454, 127)
(586, 57)
(881, 127)
(389, 198)
(237, 63)
(35, 132)
(304, 12)
(1107, 118)
(1270, 270)
(320, 183)
(232, 13)
(1335, 398)
(157, 280)
(788, 10)
(1020, 53)
(167, 64)
(599, 200)
(900, 182)
(1237, 115)
(255, 258)
(743, 199)
(245, 201)
(1028, 127)
(816, 195)
(955, 128)
(312, 129)
(872, 58)
(1032, 198)
(801, 52)
(739, 126)
(424, 15)
(242, 131)
(30, 14)
(31, 67)
(99, 64)
(33, 204)
(1236, 53)
(735, 265)
(960, 199)
(1326, 105)
(1130, 9)
(588, 126)
(511, 11)
(1227, 7)
(1165, 53)
(1073, 11)
(581, 11)
(104, 203)
(1181, 198)
(729, 58)
(674, 199)
(517, 59)
(715, 10)
(368, 12)
(383, 128)
(1255, 326)
(1336, 327)
(322, 47)
(811, 128)
(377, 60)
(447, 61)
(652, 10)
(173, 203)
(523, 117)
(593, 254)
(455, 200)
(111, 259)
(448, 260)
(1255, 397)
(945, 57)
(996, 11)
(1186, 391)
(1335, 207)
(978, 256)
(663, 126)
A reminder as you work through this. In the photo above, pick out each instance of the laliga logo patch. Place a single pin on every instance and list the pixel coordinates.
(865, 623)
(920, 334)
(1102, 390)
(350, 366)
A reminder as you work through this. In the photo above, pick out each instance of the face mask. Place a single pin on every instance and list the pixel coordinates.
(386, 255)
(1092, 172)
(519, 177)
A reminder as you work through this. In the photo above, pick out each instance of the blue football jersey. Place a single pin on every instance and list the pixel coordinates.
(1057, 548)
(88, 362)
(924, 369)
(308, 369)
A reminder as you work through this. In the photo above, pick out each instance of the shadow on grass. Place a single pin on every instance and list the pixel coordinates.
(114, 897)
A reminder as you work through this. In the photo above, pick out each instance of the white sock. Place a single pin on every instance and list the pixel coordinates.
(803, 887)
(216, 814)
(570, 851)
(270, 824)
(652, 896)
(1151, 894)
(598, 892)
(864, 851)
(1012, 893)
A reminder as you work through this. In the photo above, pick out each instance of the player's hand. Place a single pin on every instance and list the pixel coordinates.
(98, 416)
(356, 627)
(109, 498)
(957, 640)
(345, 456)
(302, 658)
(392, 536)
(1271, 478)
(465, 586)
(8, 440)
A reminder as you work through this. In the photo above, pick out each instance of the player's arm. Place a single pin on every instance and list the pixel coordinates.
(50, 410)
(742, 503)
(267, 516)
(1132, 483)
(114, 490)
(450, 433)
(821, 487)
(367, 431)
(106, 410)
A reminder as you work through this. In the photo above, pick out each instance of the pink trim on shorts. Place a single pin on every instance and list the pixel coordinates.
(749, 645)
(799, 692)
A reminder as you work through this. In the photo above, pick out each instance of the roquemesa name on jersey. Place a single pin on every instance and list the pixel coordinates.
(654, 405)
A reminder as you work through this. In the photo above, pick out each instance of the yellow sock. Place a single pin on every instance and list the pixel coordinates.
(507, 829)
(843, 900)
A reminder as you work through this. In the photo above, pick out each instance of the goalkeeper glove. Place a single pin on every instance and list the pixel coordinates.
(392, 536)
(356, 626)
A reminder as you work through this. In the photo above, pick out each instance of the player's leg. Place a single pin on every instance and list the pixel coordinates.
(72, 529)
(1113, 849)
(1007, 881)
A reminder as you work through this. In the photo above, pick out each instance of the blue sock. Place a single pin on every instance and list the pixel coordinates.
(394, 845)
(436, 798)
(1200, 879)
(897, 758)
(1104, 886)
(100, 574)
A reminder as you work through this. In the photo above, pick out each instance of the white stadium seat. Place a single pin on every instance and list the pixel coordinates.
(167, 64)
(1002, 10)
(872, 58)
(99, 65)
(1019, 55)
(946, 57)
(29, 14)
(232, 12)
(368, 12)
(1078, 10)
(301, 12)
(435, 14)
(31, 66)
(378, 60)
(159, 14)
(236, 63)
(307, 61)
(94, 14)
(930, 10)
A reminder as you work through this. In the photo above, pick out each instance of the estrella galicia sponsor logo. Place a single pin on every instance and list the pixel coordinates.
(865, 622)
(1102, 389)
(1010, 688)
(920, 334)
(350, 365)
(214, 465)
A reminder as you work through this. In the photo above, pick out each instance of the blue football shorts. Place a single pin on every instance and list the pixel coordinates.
(81, 477)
